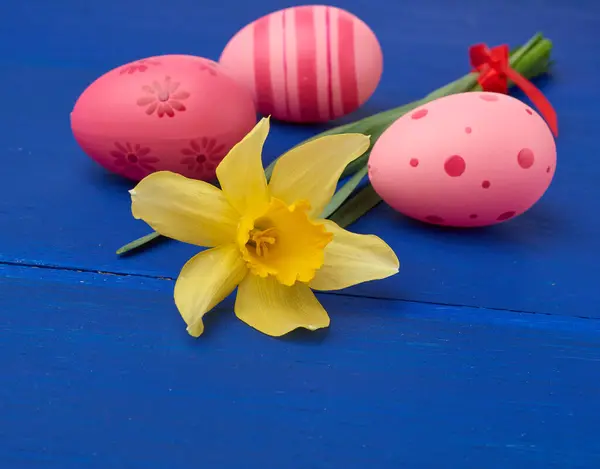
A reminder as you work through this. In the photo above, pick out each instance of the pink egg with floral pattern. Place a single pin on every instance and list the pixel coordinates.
(470, 159)
(175, 113)
(310, 63)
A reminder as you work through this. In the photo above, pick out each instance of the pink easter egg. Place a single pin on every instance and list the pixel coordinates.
(175, 113)
(470, 159)
(307, 63)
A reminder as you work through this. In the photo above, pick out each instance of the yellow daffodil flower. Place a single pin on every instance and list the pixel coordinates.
(265, 239)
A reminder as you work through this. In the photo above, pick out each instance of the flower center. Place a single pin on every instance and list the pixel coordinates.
(132, 157)
(163, 96)
(200, 159)
(260, 240)
(283, 242)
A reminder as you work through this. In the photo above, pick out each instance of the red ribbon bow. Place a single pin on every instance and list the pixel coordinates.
(494, 71)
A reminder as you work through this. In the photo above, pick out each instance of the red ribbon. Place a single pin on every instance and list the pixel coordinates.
(494, 71)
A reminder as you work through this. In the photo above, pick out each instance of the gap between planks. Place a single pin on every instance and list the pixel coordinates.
(125, 275)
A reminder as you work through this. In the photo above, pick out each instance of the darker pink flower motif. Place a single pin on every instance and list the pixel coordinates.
(208, 66)
(163, 98)
(203, 155)
(134, 159)
(139, 66)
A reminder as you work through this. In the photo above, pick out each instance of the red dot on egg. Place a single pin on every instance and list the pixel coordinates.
(455, 166)
(419, 114)
(486, 184)
(468, 130)
(414, 162)
(529, 111)
(489, 97)
(548, 169)
(525, 158)
(473, 216)
(506, 216)
(434, 219)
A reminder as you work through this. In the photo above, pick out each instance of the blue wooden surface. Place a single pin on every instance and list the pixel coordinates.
(484, 352)
(98, 373)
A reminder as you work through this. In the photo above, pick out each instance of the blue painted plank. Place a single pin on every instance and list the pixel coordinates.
(58, 208)
(98, 372)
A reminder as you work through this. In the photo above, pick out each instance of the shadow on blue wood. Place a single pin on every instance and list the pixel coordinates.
(98, 372)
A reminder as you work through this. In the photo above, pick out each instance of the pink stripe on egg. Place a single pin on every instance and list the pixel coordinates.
(285, 68)
(346, 56)
(329, 66)
(291, 60)
(277, 63)
(307, 63)
(262, 67)
(321, 61)
(334, 47)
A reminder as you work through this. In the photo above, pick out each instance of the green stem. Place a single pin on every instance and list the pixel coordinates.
(345, 191)
(365, 200)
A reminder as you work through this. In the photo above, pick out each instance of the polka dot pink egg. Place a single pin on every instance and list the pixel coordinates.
(470, 159)
(309, 63)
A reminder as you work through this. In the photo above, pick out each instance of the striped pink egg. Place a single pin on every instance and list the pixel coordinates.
(306, 63)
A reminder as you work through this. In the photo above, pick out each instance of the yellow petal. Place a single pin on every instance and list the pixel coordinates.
(206, 280)
(353, 258)
(241, 172)
(191, 211)
(311, 171)
(275, 309)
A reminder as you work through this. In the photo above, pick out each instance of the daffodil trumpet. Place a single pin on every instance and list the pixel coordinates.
(264, 238)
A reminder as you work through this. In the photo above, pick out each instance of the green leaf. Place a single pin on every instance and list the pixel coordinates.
(356, 207)
(520, 52)
(270, 168)
(138, 243)
(356, 165)
(461, 85)
(345, 191)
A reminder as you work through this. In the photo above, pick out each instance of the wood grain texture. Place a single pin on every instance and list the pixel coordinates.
(58, 208)
(97, 371)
